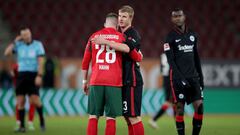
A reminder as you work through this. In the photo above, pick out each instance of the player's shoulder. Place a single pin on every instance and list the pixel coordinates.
(192, 34)
(192, 31)
(172, 33)
(98, 32)
(132, 32)
(119, 33)
(37, 42)
(17, 43)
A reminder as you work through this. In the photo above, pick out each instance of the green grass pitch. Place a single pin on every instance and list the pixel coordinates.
(212, 125)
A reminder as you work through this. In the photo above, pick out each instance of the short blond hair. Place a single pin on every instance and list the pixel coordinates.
(128, 9)
(112, 15)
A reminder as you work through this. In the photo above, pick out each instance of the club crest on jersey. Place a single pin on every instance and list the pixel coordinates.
(192, 38)
(166, 47)
(132, 39)
(181, 96)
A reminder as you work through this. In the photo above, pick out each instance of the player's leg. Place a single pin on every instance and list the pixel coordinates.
(196, 97)
(17, 118)
(130, 127)
(197, 117)
(137, 125)
(21, 112)
(92, 128)
(113, 108)
(162, 110)
(179, 97)
(110, 128)
(166, 104)
(33, 92)
(31, 113)
(20, 93)
(95, 108)
(132, 100)
(180, 118)
(38, 104)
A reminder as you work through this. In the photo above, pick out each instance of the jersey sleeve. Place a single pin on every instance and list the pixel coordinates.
(198, 63)
(168, 49)
(41, 51)
(16, 44)
(135, 55)
(133, 40)
(87, 56)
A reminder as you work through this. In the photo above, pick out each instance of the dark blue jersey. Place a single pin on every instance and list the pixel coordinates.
(182, 54)
(131, 69)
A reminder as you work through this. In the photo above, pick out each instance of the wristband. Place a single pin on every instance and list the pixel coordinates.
(84, 81)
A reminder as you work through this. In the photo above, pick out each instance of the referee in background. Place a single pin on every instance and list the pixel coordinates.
(30, 55)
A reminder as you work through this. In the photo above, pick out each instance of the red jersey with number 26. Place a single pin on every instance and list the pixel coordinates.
(106, 62)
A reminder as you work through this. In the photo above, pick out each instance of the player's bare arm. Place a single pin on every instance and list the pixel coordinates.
(85, 82)
(117, 46)
(38, 79)
(9, 50)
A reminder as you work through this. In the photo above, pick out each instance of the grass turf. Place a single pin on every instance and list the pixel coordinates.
(212, 125)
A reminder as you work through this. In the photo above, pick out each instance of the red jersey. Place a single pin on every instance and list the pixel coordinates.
(106, 62)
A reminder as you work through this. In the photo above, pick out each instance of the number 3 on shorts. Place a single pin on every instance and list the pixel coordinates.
(125, 105)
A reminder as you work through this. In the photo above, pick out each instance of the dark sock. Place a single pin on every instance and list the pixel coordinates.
(160, 112)
(21, 117)
(197, 123)
(180, 125)
(40, 113)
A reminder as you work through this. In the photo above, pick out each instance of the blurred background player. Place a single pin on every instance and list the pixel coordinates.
(186, 76)
(132, 78)
(14, 73)
(30, 54)
(105, 92)
(164, 69)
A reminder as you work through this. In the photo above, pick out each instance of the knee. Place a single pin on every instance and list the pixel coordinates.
(93, 117)
(200, 109)
(36, 101)
(180, 109)
(20, 102)
(134, 120)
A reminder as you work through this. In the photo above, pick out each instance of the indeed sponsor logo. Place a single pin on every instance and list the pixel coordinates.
(185, 48)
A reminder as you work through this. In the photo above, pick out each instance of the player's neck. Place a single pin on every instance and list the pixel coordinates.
(182, 28)
(123, 29)
(110, 26)
(28, 42)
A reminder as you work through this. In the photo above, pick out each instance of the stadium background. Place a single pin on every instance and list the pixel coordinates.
(65, 25)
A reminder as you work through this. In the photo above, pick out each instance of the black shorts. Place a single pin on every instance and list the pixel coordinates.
(26, 84)
(187, 95)
(132, 100)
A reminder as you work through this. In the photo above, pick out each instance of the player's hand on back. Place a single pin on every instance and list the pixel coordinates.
(99, 40)
(140, 53)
